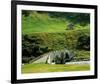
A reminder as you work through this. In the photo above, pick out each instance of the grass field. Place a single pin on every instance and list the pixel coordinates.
(41, 23)
(36, 23)
(42, 68)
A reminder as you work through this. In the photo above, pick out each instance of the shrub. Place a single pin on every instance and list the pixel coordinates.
(63, 58)
(83, 42)
(25, 60)
(31, 46)
(81, 55)
(25, 13)
(57, 59)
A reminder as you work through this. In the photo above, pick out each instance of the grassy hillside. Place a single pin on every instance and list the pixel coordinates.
(43, 22)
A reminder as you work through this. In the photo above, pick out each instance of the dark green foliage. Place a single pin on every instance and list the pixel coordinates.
(68, 58)
(70, 26)
(62, 59)
(39, 43)
(78, 38)
(81, 55)
(75, 18)
(26, 60)
(83, 42)
(31, 47)
(81, 18)
(57, 60)
(25, 13)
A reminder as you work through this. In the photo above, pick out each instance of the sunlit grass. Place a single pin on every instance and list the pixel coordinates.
(42, 68)
(36, 23)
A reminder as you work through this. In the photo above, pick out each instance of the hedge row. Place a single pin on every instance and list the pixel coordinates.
(38, 43)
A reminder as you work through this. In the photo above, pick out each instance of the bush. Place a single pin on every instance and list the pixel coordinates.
(84, 42)
(63, 58)
(81, 55)
(25, 60)
(26, 13)
(73, 38)
(31, 46)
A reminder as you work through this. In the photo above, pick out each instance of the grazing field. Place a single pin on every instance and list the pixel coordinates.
(42, 68)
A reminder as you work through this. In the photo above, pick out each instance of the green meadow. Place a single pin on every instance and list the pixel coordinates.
(42, 68)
